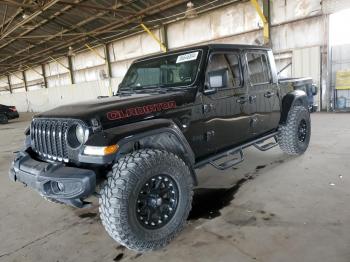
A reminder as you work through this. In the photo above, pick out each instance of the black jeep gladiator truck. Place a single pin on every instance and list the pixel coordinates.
(7, 113)
(139, 151)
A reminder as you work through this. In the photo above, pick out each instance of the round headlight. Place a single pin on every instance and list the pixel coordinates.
(82, 134)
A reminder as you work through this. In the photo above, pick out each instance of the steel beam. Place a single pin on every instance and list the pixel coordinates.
(57, 34)
(266, 27)
(95, 52)
(150, 10)
(29, 18)
(94, 7)
(162, 46)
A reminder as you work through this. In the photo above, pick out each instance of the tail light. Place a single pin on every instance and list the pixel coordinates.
(13, 108)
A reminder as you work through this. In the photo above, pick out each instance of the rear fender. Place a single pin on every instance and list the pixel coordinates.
(294, 98)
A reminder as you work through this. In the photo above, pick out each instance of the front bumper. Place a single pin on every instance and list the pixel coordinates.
(54, 180)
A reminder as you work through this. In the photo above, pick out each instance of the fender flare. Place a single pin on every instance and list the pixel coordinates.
(294, 98)
(129, 134)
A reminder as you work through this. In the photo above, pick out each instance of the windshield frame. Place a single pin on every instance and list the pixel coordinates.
(200, 64)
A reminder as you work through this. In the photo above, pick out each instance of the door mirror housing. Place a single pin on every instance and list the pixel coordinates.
(216, 80)
(314, 90)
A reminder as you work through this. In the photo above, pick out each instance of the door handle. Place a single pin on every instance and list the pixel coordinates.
(252, 99)
(242, 99)
(269, 94)
(207, 108)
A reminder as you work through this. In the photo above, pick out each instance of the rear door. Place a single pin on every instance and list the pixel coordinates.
(226, 122)
(263, 92)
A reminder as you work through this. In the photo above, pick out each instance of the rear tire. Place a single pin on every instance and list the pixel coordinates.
(3, 119)
(146, 199)
(294, 136)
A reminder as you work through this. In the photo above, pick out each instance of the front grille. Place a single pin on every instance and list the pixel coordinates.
(48, 138)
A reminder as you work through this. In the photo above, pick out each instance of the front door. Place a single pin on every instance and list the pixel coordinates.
(226, 120)
(263, 93)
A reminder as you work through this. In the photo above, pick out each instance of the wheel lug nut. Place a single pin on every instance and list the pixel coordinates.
(153, 224)
(159, 221)
(165, 216)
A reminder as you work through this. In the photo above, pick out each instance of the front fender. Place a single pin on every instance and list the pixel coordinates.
(156, 133)
(294, 98)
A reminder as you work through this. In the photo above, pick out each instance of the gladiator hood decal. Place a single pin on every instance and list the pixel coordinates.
(141, 110)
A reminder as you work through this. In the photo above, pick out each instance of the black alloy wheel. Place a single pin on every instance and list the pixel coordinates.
(157, 202)
(302, 130)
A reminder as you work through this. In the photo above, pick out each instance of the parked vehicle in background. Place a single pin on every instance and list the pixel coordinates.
(174, 113)
(7, 113)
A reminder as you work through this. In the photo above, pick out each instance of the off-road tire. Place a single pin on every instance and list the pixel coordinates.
(118, 197)
(3, 119)
(288, 138)
(52, 200)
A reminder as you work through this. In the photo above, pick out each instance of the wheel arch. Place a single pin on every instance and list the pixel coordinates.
(160, 134)
(295, 98)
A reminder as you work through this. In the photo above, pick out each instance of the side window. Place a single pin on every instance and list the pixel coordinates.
(227, 66)
(235, 66)
(258, 68)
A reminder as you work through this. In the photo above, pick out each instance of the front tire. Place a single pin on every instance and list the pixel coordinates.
(294, 136)
(146, 199)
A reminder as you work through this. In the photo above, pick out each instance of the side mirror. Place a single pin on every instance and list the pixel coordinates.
(314, 90)
(216, 80)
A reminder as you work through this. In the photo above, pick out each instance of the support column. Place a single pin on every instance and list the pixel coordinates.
(25, 81)
(164, 36)
(70, 68)
(44, 75)
(108, 60)
(9, 83)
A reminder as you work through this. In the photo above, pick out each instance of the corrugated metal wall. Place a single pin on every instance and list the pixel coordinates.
(340, 61)
(307, 62)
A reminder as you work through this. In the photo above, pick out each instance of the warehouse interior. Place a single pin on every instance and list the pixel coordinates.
(277, 208)
(58, 49)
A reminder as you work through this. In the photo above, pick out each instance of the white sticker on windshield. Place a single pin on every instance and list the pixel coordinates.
(187, 57)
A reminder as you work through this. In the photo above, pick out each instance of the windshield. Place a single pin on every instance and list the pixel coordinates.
(174, 70)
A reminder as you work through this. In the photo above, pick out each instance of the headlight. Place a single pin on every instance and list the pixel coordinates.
(82, 134)
(77, 135)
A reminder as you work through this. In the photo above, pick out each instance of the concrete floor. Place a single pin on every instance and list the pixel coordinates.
(292, 209)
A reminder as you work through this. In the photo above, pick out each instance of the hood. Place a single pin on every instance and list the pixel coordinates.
(126, 107)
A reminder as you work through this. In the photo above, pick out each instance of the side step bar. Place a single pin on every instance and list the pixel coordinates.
(267, 146)
(238, 151)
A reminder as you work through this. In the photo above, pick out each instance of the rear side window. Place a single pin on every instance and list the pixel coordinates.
(258, 68)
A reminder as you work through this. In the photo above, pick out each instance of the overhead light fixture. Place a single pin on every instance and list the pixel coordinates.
(70, 51)
(190, 11)
(25, 15)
